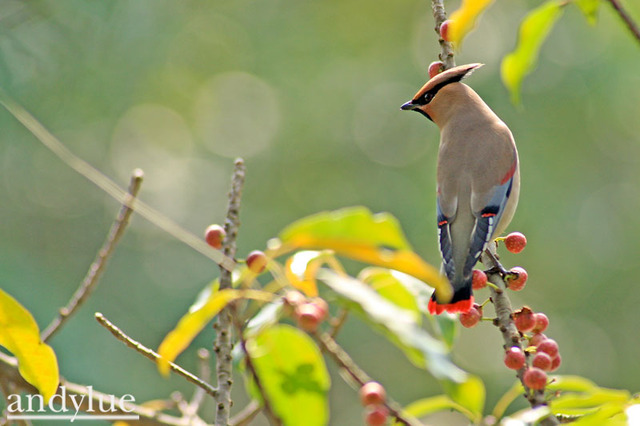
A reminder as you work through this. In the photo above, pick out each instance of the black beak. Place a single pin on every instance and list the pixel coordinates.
(409, 106)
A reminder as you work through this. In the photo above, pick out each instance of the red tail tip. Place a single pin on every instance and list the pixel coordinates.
(460, 306)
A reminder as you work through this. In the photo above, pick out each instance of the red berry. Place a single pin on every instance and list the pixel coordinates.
(515, 242)
(548, 346)
(542, 361)
(292, 299)
(479, 279)
(536, 339)
(542, 322)
(214, 236)
(556, 362)
(435, 68)
(517, 283)
(524, 319)
(321, 305)
(372, 393)
(535, 378)
(472, 317)
(376, 415)
(514, 358)
(444, 30)
(308, 316)
(256, 261)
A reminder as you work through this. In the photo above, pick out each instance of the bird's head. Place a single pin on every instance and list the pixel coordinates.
(436, 94)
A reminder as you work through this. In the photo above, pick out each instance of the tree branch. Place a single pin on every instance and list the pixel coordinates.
(633, 27)
(97, 267)
(223, 344)
(153, 356)
(446, 49)
(506, 325)
(74, 392)
(344, 361)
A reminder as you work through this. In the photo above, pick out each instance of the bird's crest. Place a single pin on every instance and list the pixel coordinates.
(452, 75)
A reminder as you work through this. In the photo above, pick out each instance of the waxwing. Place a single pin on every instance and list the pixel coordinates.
(478, 178)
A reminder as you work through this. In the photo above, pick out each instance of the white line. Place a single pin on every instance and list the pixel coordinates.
(72, 418)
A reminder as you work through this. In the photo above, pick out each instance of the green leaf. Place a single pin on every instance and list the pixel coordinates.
(606, 414)
(589, 8)
(581, 397)
(356, 233)
(470, 394)
(529, 416)
(397, 324)
(427, 406)
(534, 29)
(571, 384)
(385, 283)
(267, 317)
(20, 335)
(293, 375)
(447, 327)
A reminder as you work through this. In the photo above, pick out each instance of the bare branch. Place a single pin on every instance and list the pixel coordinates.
(247, 414)
(89, 397)
(633, 27)
(504, 322)
(223, 344)
(92, 278)
(153, 356)
(446, 49)
(356, 374)
(204, 372)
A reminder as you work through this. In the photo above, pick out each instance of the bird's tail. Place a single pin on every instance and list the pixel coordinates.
(462, 300)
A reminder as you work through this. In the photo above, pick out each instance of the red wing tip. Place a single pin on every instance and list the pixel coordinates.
(460, 306)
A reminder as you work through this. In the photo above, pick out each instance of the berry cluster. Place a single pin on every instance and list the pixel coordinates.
(515, 280)
(373, 398)
(308, 313)
(542, 351)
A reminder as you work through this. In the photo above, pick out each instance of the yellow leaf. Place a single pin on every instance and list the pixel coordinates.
(360, 235)
(464, 19)
(301, 269)
(196, 319)
(19, 333)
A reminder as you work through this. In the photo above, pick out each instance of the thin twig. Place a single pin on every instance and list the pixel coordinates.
(633, 27)
(446, 49)
(504, 322)
(344, 361)
(92, 278)
(89, 397)
(223, 344)
(247, 414)
(153, 356)
(204, 372)
(268, 409)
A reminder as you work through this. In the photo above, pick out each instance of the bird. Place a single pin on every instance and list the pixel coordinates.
(478, 178)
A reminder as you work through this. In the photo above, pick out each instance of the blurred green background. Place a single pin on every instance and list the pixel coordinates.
(308, 93)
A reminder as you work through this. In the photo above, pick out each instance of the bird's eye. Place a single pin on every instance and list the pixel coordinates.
(427, 97)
